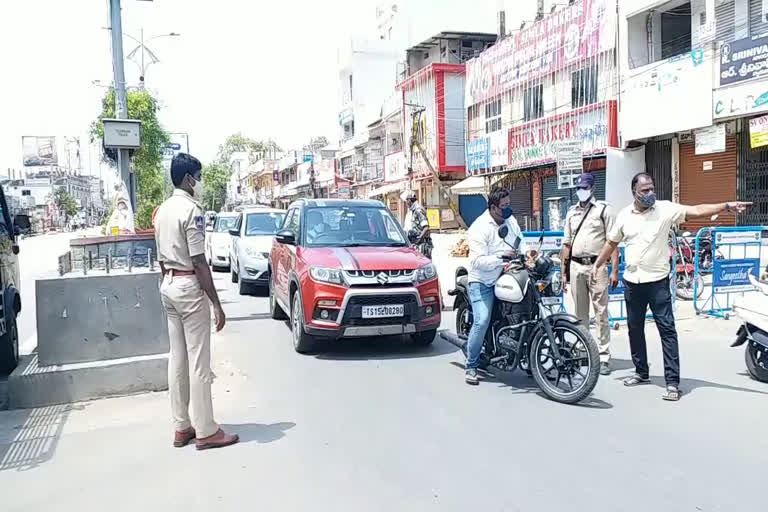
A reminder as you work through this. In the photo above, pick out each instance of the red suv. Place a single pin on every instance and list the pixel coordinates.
(344, 269)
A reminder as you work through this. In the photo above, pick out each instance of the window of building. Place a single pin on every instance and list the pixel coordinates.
(493, 116)
(676, 31)
(533, 102)
(758, 18)
(584, 87)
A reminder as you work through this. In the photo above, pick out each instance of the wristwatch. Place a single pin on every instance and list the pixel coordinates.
(727, 207)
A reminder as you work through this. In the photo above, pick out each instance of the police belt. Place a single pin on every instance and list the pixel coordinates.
(586, 260)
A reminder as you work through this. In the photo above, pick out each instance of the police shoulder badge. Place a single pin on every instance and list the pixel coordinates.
(199, 222)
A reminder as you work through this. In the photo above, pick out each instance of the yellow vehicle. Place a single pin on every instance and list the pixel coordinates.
(10, 296)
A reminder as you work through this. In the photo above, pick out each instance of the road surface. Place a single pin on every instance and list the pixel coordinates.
(382, 425)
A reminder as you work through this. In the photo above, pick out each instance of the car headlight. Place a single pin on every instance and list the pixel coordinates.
(556, 282)
(326, 275)
(425, 273)
(253, 253)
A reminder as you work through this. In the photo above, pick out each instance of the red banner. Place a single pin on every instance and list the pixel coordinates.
(559, 40)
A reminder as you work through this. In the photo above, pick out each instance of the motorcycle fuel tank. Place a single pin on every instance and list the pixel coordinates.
(509, 289)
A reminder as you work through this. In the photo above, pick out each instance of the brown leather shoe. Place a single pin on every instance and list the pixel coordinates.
(217, 440)
(183, 438)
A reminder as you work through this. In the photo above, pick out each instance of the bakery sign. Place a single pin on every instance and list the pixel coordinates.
(537, 142)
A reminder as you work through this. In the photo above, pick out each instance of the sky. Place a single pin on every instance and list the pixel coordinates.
(263, 68)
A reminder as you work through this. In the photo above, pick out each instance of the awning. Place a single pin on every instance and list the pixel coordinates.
(469, 186)
(387, 189)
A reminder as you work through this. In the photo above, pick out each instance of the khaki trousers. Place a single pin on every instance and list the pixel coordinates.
(585, 290)
(189, 363)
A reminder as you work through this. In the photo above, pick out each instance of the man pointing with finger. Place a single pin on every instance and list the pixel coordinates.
(180, 238)
(644, 226)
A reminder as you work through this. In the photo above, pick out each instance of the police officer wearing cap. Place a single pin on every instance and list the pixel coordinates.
(587, 225)
(180, 236)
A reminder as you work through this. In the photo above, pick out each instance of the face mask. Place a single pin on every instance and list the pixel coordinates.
(197, 188)
(583, 195)
(506, 212)
(647, 200)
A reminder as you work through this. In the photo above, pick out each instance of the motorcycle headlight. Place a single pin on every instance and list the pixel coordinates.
(425, 273)
(556, 282)
(253, 253)
(326, 275)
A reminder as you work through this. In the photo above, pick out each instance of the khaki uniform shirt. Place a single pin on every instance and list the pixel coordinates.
(179, 231)
(646, 238)
(593, 233)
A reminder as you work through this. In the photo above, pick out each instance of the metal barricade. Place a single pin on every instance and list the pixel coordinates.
(617, 306)
(548, 242)
(735, 254)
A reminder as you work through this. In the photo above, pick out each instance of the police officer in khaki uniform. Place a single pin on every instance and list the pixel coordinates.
(180, 237)
(587, 225)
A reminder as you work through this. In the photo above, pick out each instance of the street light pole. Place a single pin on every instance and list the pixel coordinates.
(121, 104)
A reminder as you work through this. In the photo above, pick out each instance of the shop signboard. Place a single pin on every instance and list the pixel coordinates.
(478, 154)
(743, 60)
(395, 167)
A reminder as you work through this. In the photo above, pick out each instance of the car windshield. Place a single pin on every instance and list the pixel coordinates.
(352, 226)
(267, 223)
(224, 224)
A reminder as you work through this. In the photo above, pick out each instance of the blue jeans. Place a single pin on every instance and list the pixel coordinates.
(481, 297)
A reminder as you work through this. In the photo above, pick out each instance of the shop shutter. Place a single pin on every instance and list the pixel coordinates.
(752, 181)
(757, 24)
(698, 186)
(725, 21)
(519, 185)
(549, 189)
(658, 163)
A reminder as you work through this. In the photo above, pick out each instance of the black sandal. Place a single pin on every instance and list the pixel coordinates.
(636, 380)
(673, 394)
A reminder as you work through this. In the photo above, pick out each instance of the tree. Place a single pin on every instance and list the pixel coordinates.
(215, 179)
(66, 203)
(237, 142)
(148, 159)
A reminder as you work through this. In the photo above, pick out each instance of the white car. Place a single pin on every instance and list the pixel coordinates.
(252, 237)
(218, 241)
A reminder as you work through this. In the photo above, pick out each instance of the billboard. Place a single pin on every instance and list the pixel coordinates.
(39, 151)
(570, 35)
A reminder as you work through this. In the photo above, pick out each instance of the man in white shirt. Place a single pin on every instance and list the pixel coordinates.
(486, 248)
(644, 226)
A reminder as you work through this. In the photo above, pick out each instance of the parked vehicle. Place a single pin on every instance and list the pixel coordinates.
(687, 281)
(344, 268)
(752, 309)
(218, 241)
(252, 237)
(10, 295)
(554, 348)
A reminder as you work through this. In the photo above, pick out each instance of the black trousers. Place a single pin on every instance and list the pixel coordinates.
(656, 295)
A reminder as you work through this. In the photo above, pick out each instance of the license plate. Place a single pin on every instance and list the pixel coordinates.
(550, 301)
(383, 311)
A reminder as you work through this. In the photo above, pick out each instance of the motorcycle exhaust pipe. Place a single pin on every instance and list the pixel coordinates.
(454, 339)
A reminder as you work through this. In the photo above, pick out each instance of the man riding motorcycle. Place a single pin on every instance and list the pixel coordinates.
(486, 249)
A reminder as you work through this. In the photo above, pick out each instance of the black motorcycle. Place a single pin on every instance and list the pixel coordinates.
(553, 347)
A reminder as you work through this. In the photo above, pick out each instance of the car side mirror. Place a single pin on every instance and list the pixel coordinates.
(15, 249)
(286, 236)
(234, 232)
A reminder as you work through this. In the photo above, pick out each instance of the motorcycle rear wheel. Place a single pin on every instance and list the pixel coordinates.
(756, 357)
(580, 357)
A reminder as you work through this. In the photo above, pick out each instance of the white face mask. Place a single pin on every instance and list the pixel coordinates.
(197, 188)
(583, 195)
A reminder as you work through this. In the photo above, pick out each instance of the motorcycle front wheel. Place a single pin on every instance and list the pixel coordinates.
(574, 378)
(756, 357)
